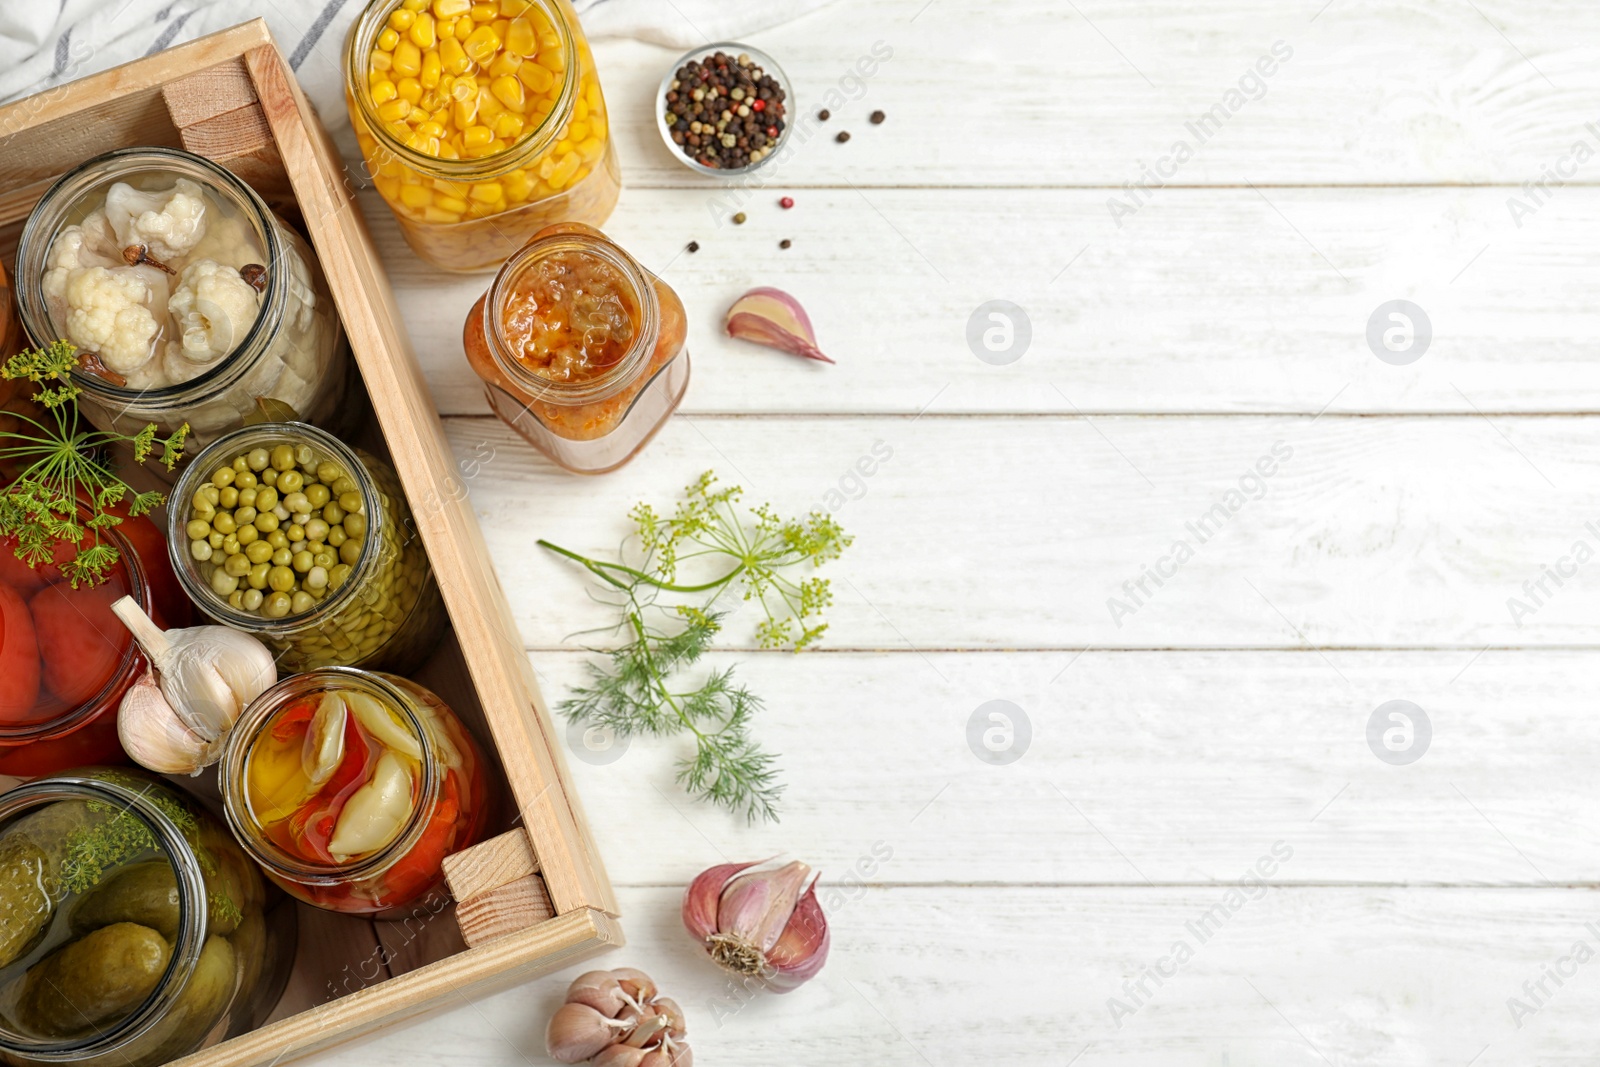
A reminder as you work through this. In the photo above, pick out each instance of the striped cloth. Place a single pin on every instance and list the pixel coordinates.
(45, 42)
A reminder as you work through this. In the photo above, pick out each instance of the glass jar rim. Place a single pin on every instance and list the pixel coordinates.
(359, 45)
(33, 249)
(234, 765)
(619, 375)
(192, 913)
(129, 664)
(194, 476)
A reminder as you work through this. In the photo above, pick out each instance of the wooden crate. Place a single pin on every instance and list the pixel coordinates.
(534, 898)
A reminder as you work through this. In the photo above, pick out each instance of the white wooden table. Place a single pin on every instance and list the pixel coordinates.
(1030, 912)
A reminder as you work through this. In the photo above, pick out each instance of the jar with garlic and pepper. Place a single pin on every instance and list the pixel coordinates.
(188, 299)
(480, 121)
(581, 349)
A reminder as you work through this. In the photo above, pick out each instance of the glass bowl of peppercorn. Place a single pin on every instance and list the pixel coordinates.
(723, 110)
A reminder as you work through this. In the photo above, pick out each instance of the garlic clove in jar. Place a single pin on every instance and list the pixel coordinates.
(155, 738)
(375, 813)
(324, 744)
(377, 721)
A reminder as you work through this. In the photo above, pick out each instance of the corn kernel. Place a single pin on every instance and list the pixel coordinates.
(477, 136)
(415, 196)
(504, 63)
(381, 61)
(450, 203)
(547, 166)
(441, 115)
(578, 130)
(414, 5)
(465, 112)
(591, 149)
(422, 33)
(387, 185)
(436, 214)
(416, 116)
(431, 129)
(450, 9)
(520, 37)
(510, 9)
(518, 185)
(564, 171)
(464, 27)
(410, 90)
(432, 69)
(388, 39)
(580, 109)
(538, 79)
(509, 92)
(489, 107)
(508, 127)
(407, 59)
(488, 192)
(394, 110)
(400, 20)
(563, 147)
(449, 151)
(453, 56)
(482, 45)
(482, 12)
(552, 60)
(500, 26)
(383, 92)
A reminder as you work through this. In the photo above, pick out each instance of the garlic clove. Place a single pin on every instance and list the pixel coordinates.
(621, 1056)
(700, 900)
(773, 318)
(802, 949)
(599, 990)
(755, 907)
(576, 1032)
(155, 738)
(377, 721)
(324, 743)
(667, 1007)
(376, 813)
(635, 983)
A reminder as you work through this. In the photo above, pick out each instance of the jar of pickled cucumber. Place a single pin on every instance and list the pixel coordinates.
(350, 788)
(481, 121)
(282, 531)
(581, 349)
(135, 929)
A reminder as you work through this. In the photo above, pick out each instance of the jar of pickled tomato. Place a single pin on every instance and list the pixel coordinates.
(66, 660)
(350, 788)
(581, 349)
(480, 121)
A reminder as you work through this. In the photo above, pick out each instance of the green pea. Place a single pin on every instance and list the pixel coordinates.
(260, 459)
(203, 511)
(257, 578)
(223, 523)
(236, 600)
(245, 479)
(325, 558)
(223, 583)
(317, 578)
(351, 502)
(278, 539)
(344, 485)
(230, 545)
(281, 579)
(297, 502)
(203, 499)
(318, 494)
(329, 472)
(303, 456)
(290, 481)
(222, 478)
(230, 497)
(355, 525)
(258, 551)
(269, 476)
(247, 535)
(282, 458)
(198, 529)
(317, 530)
(337, 576)
(297, 533)
(276, 606)
(252, 599)
(244, 516)
(200, 550)
(214, 539)
(333, 514)
(266, 498)
(350, 552)
(236, 565)
(266, 521)
(303, 561)
(301, 602)
(336, 535)
(282, 556)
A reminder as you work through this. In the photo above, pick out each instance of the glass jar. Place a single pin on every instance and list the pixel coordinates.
(581, 349)
(480, 123)
(341, 585)
(292, 351)
(136, 931)
(392, 784)
(66, 661)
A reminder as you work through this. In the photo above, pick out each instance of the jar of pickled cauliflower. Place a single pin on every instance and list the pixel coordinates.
(580, 348)
(481, 122)
(350, 788)
(189, 301)
(283, 532)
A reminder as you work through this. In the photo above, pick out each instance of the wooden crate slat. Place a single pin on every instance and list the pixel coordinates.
(515, 906)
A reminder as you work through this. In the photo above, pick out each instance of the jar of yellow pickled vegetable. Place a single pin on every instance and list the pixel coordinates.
(480, 121)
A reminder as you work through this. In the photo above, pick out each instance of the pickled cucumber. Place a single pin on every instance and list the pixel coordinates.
(27, 891)
(96, 979)
(145, 893)
(204, 999)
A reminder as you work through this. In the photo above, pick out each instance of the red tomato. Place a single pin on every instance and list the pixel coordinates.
(80, 640)
(19, 657)
(29, 580)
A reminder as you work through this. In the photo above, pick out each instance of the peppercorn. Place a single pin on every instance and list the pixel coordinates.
(824, 115)
(844, 135)
(786, 203)
(878, 117)
(693, 246)
(785, 243)
(716, 123)
(738, 220)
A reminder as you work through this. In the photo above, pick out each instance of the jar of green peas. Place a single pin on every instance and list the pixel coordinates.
(284, 532)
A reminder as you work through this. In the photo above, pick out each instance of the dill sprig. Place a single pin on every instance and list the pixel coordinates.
(70, 486)
(637, 691)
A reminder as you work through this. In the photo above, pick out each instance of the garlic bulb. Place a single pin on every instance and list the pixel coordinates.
(615, 1019)
(153, 735)
(759, 923)
(207, 674)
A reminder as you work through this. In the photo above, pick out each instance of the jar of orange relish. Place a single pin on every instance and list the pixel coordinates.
(581, 349)
(481, 121)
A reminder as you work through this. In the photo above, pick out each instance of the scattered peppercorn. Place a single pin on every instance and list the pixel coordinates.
(878, 117)
(786, 203)
(844, 135)
(785, 243)
(725, 112)
(694, 246)
(738, 220)
(824, 115)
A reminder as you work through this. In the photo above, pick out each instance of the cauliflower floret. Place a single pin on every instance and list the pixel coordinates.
(214, 308)
(106, 314)
(169, 222)
(74, 248)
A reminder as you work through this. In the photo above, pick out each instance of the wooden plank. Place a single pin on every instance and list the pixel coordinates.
(1166, 766)
(490, 864)
(1020, 533)
(1209, 301)
(501, 912)
(209, 93)
(449, 530)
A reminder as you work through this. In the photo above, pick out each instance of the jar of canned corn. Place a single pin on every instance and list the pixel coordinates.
(282, 531)
(481, 122)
